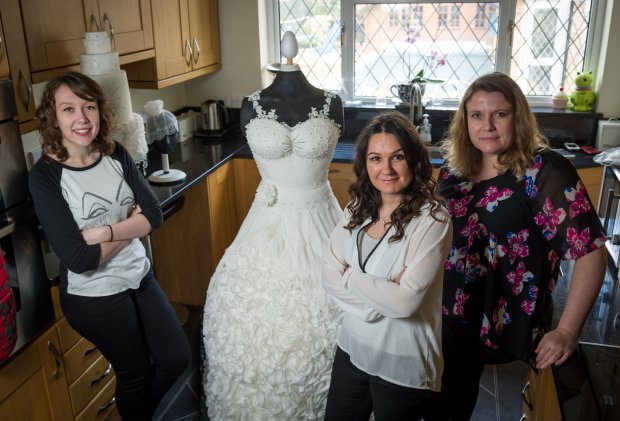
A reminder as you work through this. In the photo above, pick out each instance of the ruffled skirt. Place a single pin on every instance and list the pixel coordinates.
(269, 333)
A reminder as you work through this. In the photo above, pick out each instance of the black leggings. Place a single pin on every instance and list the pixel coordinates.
(354, 394)
(138, 332)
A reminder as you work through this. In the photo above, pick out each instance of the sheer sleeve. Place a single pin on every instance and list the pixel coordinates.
(336, 270)
(561, 208)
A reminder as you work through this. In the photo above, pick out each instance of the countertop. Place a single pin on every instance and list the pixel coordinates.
(198, 157)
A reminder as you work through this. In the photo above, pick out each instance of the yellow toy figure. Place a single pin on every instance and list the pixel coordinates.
(583, 97)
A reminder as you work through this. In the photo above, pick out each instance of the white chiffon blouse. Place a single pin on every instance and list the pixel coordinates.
(389, 330)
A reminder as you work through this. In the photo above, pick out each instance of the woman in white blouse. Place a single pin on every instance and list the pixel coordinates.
(384, 269)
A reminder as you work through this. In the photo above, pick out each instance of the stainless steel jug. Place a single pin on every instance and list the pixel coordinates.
(214, 115)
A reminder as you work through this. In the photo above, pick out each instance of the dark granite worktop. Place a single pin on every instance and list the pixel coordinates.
(198, 157)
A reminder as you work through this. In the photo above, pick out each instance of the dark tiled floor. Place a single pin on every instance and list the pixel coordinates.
(182, 403)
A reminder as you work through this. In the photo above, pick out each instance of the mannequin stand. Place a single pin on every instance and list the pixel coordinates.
(167, 175)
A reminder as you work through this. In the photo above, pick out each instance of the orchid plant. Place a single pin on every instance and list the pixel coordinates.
(433, 60)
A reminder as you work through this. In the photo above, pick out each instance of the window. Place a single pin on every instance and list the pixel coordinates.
(480, 16)
(542, 44)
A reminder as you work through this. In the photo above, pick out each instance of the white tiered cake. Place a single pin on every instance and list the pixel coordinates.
(103, 65)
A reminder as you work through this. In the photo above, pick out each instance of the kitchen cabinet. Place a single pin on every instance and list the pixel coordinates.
(340, 175)
(187, 44)
(33, 385)
(247, 179)
(591, 178)
(4, 60)
(540, 402)
(53, 45)
(19, 68)
(193, 238)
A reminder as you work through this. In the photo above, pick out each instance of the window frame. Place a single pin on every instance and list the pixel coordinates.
(503, 59)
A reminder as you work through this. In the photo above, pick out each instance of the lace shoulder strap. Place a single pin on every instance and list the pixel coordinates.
(260, 113)
(323, 113)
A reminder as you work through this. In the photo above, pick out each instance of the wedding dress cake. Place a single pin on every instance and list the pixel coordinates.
(103, 65)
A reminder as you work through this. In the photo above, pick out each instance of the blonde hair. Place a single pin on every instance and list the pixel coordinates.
(464, 159)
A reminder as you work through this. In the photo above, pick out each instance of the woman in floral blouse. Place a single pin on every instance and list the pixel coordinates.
(517, 209)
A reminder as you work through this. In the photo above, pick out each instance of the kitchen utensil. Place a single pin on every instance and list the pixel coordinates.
(214, 116)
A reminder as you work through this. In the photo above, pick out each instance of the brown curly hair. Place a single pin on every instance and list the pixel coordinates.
(366, 199)
(464, 159)
(87, 89)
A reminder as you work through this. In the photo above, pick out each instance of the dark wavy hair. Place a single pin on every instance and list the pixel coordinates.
(461, 155)
(366, 199)
(85, 88)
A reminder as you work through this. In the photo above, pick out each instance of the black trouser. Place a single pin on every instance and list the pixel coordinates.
(138, 332)
(464, 358)
(354, 395)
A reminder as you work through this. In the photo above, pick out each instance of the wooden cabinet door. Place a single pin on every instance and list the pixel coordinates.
(55, 29)
(340, 176)
(33, 385)
(247, 179)
(222, 212)
(592, 178)
(172, 40)
(18, 60)
(4, 60)
(204, 32)
(182, 248)
(129, 21)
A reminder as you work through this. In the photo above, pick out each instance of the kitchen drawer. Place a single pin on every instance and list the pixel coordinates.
(79, 358)
(86, 387)
(68, 336)
(102, 407)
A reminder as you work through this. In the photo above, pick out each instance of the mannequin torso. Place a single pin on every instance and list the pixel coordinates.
(292, 97)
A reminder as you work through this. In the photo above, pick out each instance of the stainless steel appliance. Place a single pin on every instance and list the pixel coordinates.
(609, 212)
(19, 234)
(214, 119)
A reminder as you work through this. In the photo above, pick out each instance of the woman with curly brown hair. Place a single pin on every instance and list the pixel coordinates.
(94, 205)
(384, 269)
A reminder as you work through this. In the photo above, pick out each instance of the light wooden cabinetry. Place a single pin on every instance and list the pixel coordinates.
(52, 44)
(33, 385)
(5, 73)
(193, 238)
(90, 378)
(591, 178)
(540, 402)
(247, 179)
(19, 68)
(187, 44)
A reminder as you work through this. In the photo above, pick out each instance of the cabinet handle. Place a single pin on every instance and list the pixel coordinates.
(21, 78)
(90, 351)
(106, 19)
(610, 198)
(103, 376)
(94, 21)
(106, 406)
(57, 360)
(524, 398)
(8, 228)
(197, 50)
(191, 53)
(333, 171)
(523, 417)
(173, 207)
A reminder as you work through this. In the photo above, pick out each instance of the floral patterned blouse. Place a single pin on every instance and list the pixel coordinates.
(509, 236)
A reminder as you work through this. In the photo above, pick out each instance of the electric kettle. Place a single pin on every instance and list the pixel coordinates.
(214, 116)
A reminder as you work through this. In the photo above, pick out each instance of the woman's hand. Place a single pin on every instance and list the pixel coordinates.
(555, 348)
(134, 211)
(400, 275)
(96, 235)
